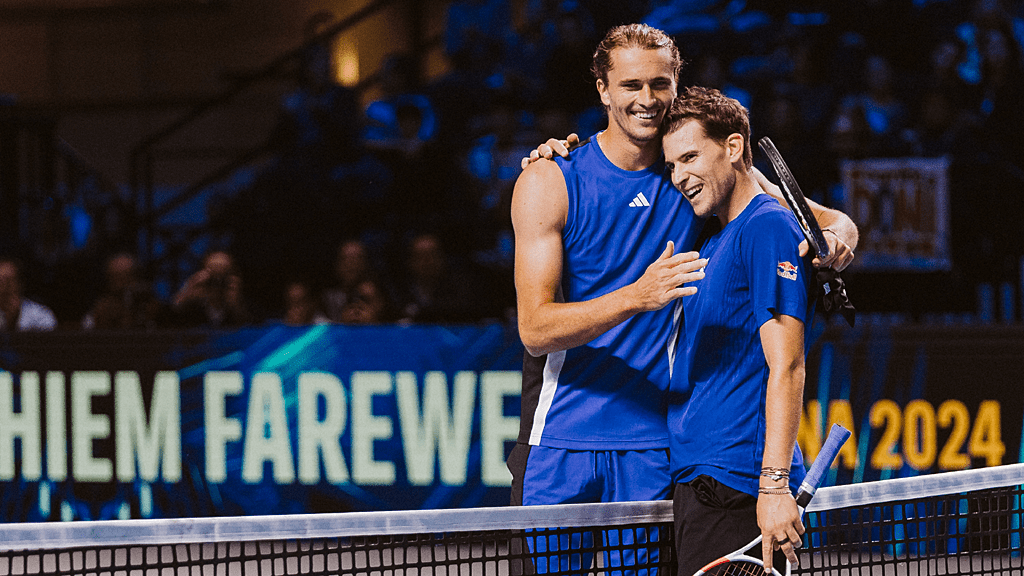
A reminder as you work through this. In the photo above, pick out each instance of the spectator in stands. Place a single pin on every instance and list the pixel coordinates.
(18, 313)
(779, 118)
(570, 36)
(806, 85)
(1002, 85)
(940, 127)
(850, 135)
(1003, 90)
(493, 164)
(416, 192)
(402, 118)
(127, 300)
(475, 27)
(212, 296)
(351, 266)
(368, 304)
(475, 42)
(433, 288)
(300, 305)
(888, 27)
(882, 106)
(710, 70)
(944, 75)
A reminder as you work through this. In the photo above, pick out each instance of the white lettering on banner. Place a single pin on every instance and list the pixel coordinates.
(56, 428)
(435, 420)
(436, 429)
(266, 433)
(218, 429)
(23, 425)
(367, 427)
(495, 428)
(87, 426)
(321, 437)
(137, 441)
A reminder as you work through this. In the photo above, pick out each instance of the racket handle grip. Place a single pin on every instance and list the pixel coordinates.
(837, 436)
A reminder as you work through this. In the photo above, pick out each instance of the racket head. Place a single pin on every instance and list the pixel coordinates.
(746, 560)
(796, 200)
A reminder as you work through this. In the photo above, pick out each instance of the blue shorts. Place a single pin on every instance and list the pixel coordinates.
(543, 475)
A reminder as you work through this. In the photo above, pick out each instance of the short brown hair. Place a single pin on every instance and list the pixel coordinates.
(719, 115)
(633, 36)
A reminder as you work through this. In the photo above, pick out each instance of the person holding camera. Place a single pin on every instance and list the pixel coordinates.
(212, 296)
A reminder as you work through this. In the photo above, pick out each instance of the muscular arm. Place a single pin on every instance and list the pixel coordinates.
(546, 322)
(843, 240)
(782, 338)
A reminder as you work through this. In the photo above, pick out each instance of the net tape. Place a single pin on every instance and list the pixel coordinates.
(966, 522)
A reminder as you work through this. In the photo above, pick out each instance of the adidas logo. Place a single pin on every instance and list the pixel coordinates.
(639, 201)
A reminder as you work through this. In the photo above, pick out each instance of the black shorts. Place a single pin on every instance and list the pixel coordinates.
(712, 520)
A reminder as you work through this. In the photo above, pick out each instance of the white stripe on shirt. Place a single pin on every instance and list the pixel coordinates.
(552, 368)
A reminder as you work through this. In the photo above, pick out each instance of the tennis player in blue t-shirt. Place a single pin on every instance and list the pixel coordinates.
(737, 383)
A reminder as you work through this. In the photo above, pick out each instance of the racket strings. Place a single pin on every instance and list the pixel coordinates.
(737, 568)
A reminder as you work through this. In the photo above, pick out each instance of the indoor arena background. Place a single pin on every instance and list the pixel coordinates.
(354, 161)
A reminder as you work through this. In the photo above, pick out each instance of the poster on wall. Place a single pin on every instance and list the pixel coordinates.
(901, 207)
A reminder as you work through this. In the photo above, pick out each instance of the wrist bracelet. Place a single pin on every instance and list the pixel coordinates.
(779, 491)
(775, 474)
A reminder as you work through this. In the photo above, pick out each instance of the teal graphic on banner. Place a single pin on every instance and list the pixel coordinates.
(267, 421)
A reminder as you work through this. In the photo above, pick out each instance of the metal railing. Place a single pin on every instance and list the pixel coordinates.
(162, 244)
(51, 199)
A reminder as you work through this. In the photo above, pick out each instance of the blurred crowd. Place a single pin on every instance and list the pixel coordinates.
(398, 211)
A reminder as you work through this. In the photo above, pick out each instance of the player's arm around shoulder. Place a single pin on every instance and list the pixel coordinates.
(844, 234)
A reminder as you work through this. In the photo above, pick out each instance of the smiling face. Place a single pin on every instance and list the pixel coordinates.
(638, 91)
(702, 168)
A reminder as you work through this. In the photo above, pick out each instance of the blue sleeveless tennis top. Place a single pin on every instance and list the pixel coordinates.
(609, 394)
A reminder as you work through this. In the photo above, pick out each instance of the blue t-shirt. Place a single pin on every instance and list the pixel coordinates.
(717, 411)
(609, 394)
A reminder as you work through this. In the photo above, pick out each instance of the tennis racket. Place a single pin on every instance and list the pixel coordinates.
(741, 562)
(795, 198)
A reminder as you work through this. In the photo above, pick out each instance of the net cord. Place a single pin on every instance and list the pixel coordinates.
(59, 535)
(925, 486)
(55, 535)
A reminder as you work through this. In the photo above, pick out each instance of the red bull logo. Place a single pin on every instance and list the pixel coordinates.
(787, 270)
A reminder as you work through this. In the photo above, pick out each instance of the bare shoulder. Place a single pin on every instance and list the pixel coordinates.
(540, 194)
(541, 174)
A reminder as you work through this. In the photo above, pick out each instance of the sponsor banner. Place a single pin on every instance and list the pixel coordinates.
(918, 399)
(901, 207)
(268, 421)
(329, 418)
